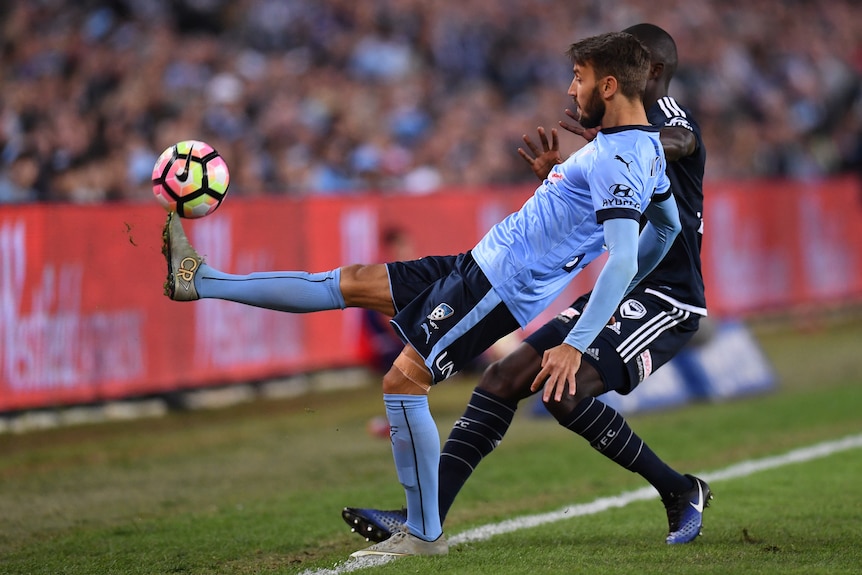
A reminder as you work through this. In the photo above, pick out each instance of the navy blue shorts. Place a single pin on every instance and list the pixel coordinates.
(446, 309)
(648, 332)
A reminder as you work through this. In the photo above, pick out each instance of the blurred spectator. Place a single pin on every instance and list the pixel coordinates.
(395, 96)
(19, 180)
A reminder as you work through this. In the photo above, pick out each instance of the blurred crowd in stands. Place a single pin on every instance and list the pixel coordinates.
(395, 96)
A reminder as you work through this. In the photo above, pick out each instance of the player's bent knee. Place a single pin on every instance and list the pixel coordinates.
(589, 384)
(510, 378)
(561, 409)
(500, 382)
(408, 375)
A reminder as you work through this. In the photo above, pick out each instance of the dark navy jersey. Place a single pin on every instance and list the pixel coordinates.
(678, 277)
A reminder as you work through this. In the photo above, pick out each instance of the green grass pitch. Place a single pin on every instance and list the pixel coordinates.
(258, 488)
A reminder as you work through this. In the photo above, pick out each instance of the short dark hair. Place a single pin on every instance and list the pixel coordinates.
(616, 54)
(660, 44)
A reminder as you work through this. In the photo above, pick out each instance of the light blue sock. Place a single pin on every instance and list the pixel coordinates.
(297, 292)
(416, 449)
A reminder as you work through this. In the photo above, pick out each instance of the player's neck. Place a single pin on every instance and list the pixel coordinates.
(625, 113)
(650, 98)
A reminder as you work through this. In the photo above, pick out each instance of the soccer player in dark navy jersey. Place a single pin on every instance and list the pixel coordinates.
(653, 322)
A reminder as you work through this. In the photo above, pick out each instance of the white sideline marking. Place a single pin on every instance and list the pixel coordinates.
(484, 532)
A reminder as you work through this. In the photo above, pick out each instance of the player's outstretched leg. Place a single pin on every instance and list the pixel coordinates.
(189, 278)
(183, 261)
(685, 512)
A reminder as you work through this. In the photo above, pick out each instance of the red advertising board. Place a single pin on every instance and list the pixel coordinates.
(83, 318)
(773, 246)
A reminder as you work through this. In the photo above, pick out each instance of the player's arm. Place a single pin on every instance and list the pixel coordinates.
(658, 234)
(561, 363)
(621, 238)
(663, 225)
(678, 142)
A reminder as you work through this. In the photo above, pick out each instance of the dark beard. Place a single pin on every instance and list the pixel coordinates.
(594, 112)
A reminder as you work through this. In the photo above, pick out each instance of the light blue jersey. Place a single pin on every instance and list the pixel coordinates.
(531, 256)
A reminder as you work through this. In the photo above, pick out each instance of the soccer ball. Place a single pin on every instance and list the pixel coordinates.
(191, 179)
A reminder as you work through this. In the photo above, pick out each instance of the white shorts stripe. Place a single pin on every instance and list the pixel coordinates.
(637, 345)
(647, 337)
(657, 333)
(621, 348)
(640, 339)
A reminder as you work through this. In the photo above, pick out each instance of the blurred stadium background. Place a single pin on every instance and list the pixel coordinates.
(343, 121)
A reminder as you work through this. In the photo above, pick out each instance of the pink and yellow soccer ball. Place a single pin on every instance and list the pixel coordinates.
(191, 179)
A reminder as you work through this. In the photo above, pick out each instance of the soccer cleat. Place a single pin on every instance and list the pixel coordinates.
(375, 524)
(183, 261)
(403, 543)
(685, 512)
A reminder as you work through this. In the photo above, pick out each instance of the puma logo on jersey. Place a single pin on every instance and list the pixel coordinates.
(628, 164)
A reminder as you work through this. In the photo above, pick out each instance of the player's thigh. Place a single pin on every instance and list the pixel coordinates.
(389, 287)
(511, 376)
(455, 319)
(409, 279)
(367, 286)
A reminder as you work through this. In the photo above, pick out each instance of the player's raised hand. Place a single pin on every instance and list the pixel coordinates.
(575, 127)
(559, 366)
(542, 159)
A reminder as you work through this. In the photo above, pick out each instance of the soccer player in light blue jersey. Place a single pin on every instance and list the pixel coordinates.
(655, 320)
(449, 309)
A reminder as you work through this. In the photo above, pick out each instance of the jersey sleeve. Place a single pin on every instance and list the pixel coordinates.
(615, 193)
(617, 273)
(672, 115)
(662, 190)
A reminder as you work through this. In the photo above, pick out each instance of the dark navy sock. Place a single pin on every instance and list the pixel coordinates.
(607, 431)
(474, 435)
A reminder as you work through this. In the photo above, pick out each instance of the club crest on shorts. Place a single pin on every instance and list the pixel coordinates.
(632, 309)
(441, 312)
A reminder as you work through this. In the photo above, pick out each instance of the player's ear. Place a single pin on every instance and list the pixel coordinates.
(656, 69)
(608, 86)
